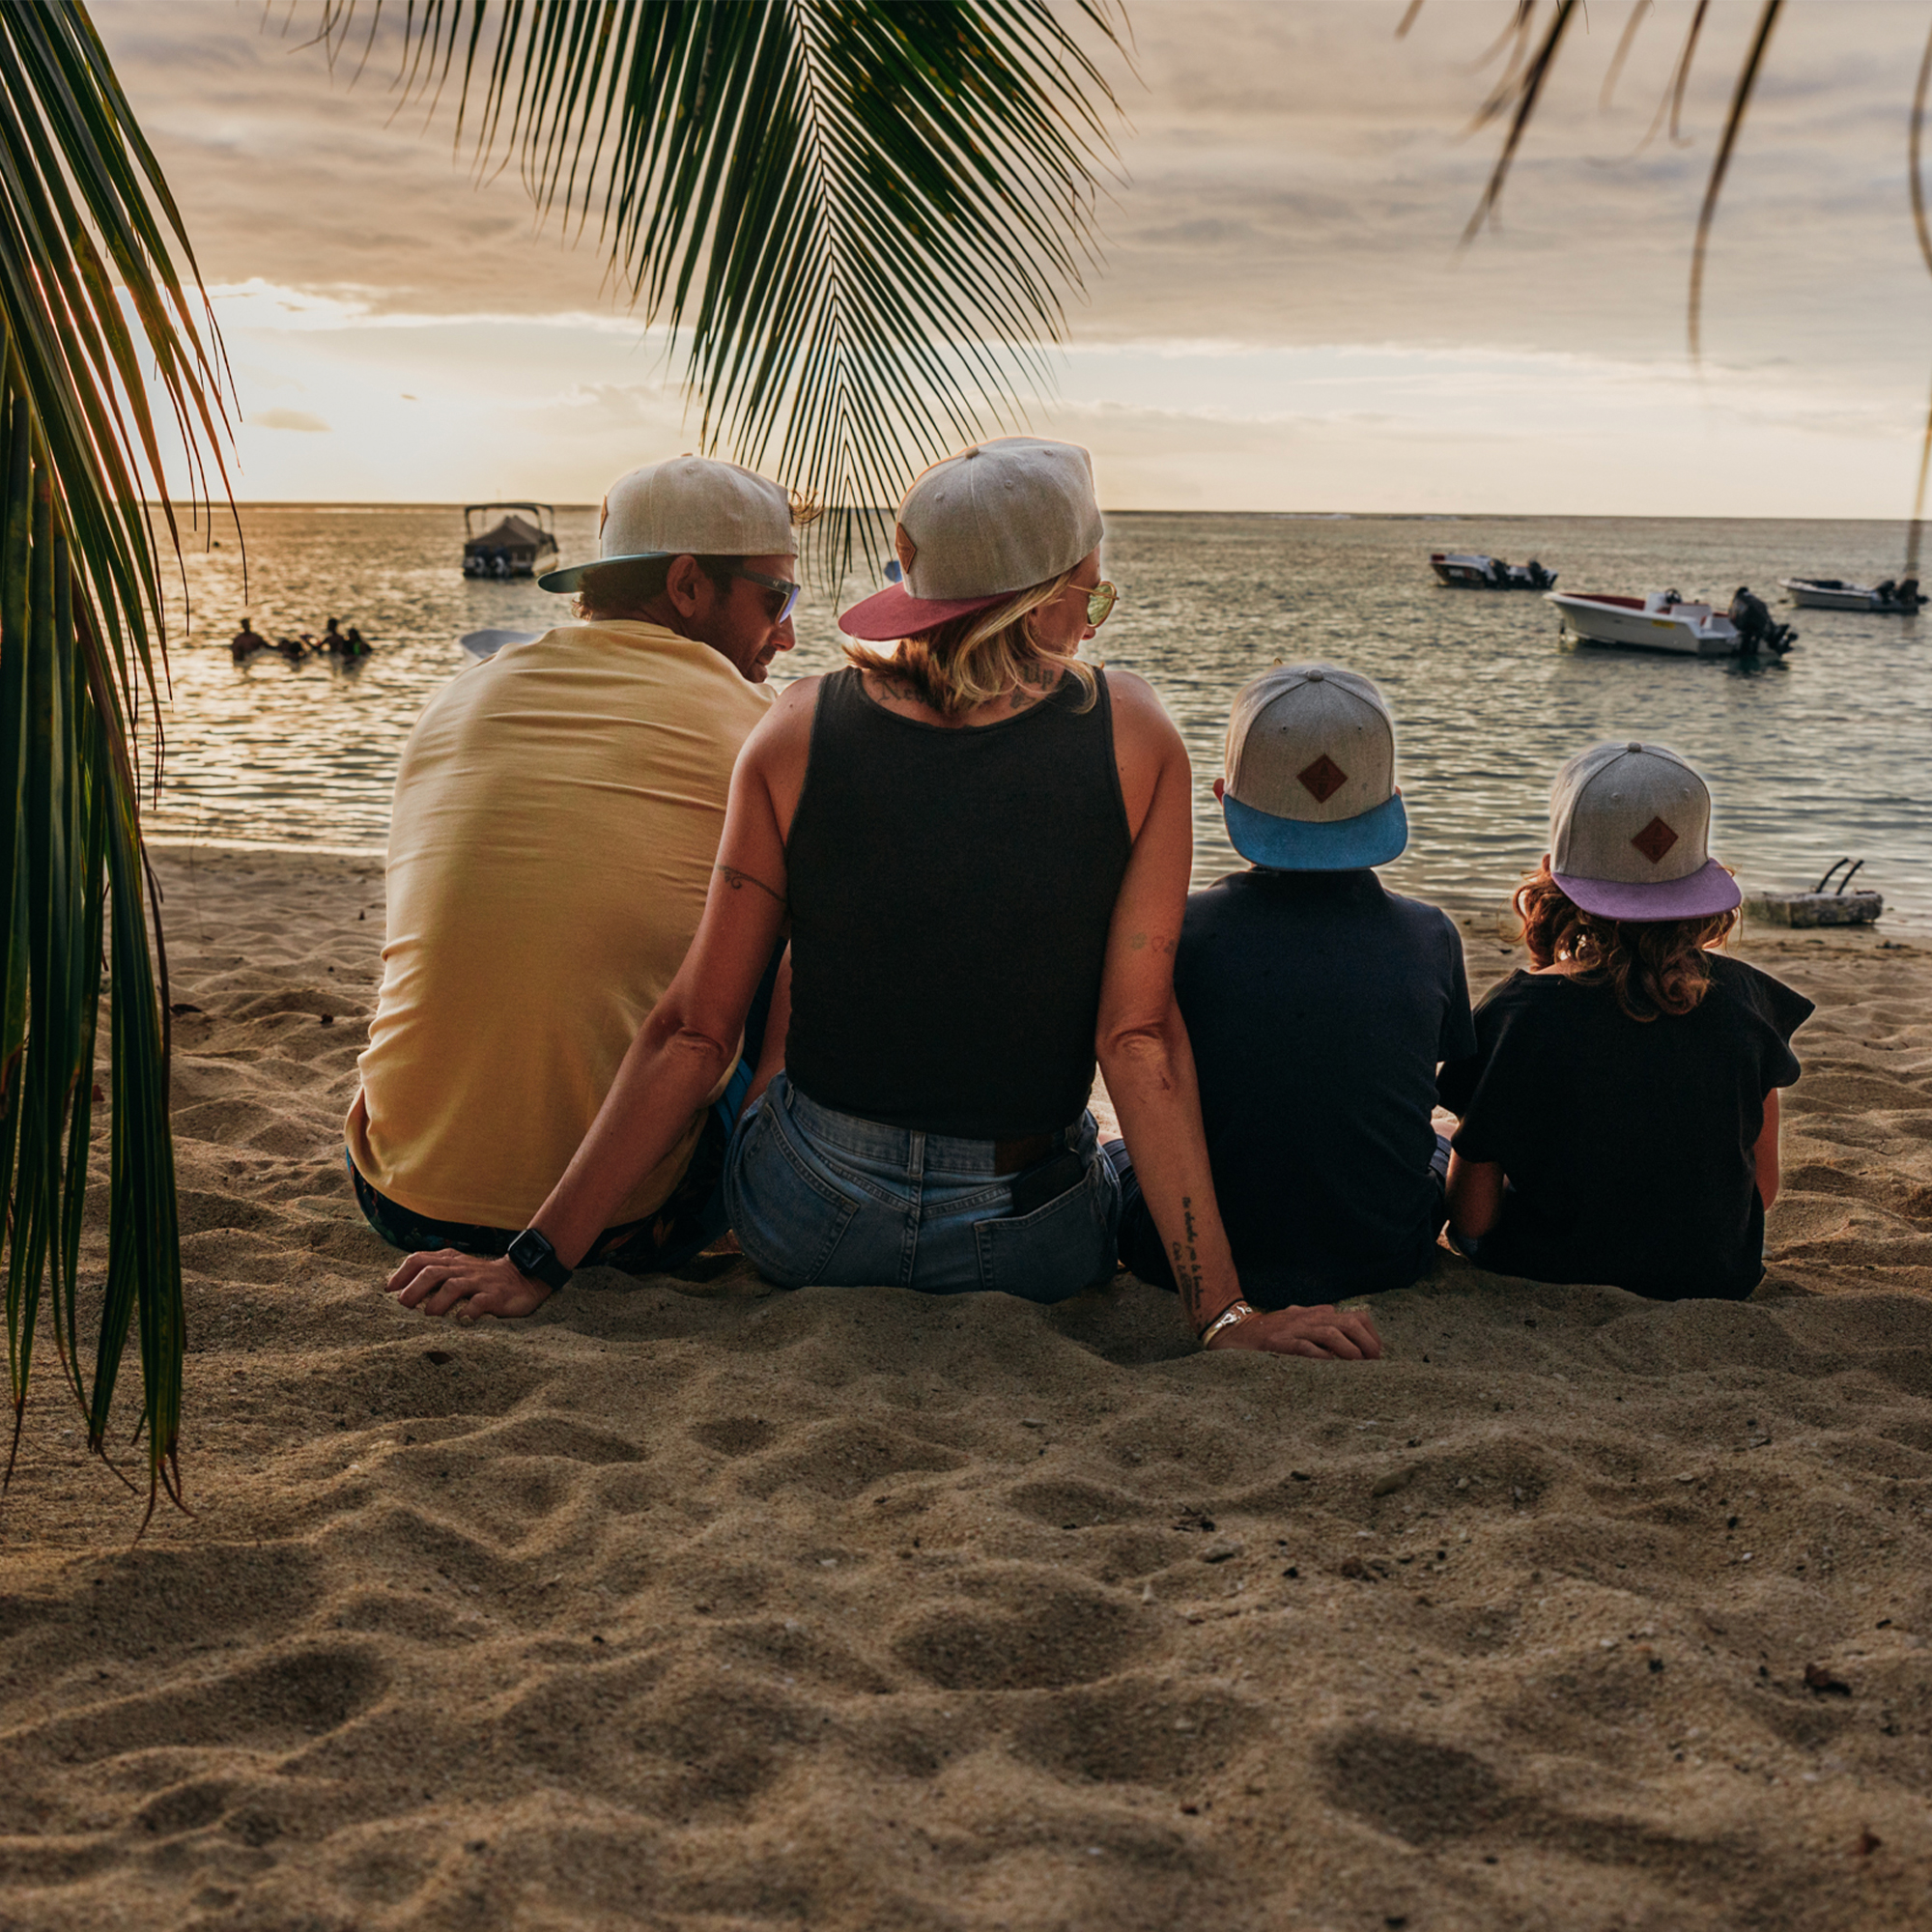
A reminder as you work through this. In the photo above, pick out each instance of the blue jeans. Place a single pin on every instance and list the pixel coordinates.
(818, 1197)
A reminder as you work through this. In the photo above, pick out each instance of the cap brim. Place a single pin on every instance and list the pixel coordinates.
(1294, 845)
(571, 577)
(1707, 891)
(896, 613)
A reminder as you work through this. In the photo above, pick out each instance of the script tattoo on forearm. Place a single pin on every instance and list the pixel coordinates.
(738, 881)
(1187, 1264)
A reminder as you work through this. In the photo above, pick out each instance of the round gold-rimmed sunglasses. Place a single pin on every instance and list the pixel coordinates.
(1101, 601)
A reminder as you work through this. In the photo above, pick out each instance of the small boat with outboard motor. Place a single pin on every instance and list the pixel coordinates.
(1469, 570)
(1665, 621)
(1901, 599)
(514, 545)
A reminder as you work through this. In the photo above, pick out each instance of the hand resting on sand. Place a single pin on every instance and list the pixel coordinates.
(449, 1282)
(1349, 1335)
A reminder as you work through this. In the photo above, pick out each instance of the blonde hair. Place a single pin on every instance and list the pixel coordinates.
(975, 659)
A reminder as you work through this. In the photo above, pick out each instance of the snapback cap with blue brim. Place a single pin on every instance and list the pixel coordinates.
(1309, 780)
(688, 507)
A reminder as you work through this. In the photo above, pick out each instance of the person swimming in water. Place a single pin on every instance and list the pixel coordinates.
(347, 644)
(246, 641)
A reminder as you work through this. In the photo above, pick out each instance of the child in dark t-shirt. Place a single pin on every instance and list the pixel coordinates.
(1318, 1006)
(1619, 1116)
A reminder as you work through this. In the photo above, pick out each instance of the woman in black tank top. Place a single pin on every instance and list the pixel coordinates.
(982, 847)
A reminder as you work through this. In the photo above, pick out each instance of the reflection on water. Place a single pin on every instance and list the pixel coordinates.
(1824, 752)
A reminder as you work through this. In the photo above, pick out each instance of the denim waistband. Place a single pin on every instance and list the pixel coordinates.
(942, 1153)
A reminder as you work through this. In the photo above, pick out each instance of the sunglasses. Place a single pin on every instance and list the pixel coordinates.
(788, 591)
(1101, 601)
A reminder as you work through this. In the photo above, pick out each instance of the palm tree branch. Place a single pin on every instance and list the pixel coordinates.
(929, 169)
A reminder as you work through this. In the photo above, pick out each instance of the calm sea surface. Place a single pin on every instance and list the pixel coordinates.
(1827, 752)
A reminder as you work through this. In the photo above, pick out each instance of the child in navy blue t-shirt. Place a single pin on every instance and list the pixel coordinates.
(1318, 1005)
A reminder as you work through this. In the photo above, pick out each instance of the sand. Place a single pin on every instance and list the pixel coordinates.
(693, 1605)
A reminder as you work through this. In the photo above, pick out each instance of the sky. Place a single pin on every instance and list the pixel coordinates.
(1282, 318)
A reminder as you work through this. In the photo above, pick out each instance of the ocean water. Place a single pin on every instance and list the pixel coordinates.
(1827, 752)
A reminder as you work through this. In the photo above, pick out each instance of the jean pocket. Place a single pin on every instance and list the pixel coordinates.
(789, 1218)
(1057, 1250)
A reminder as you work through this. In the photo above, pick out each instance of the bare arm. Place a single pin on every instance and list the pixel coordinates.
(1765, 1153)
(1475, 1190)
(681, 1053)
(1149, 1064)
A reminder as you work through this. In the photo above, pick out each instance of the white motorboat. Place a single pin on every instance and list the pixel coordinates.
(1834, 593)
(1662, 621)
(1468, 570)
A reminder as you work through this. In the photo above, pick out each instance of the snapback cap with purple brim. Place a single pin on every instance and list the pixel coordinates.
(983, 526)
(1630, 835)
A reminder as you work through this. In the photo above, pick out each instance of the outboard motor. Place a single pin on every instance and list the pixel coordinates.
(1907, 593)
(1756, 629)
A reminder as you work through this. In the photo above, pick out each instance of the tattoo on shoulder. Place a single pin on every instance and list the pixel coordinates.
(738, 881)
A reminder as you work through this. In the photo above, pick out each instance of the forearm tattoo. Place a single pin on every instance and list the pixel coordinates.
(738, 881)
(1187, 1264)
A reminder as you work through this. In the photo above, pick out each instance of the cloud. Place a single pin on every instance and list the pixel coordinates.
(300, 419)
(1292, 190)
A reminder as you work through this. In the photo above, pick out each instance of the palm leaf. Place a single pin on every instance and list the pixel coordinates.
(86, 223)
(862, 217)
(1521, 89)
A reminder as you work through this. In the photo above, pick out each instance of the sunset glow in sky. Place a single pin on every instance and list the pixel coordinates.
(1283, 319)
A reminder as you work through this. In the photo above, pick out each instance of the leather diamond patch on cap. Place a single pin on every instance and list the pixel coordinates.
(1324, 778)
(1654, 840)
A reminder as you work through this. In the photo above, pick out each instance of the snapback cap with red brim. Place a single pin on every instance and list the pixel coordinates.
(1630, 830)
(998, 519)
(895, 613)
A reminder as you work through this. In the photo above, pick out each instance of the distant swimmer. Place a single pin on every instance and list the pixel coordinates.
(246, 641)
(348, 644)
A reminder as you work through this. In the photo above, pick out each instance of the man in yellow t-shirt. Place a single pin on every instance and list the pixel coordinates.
(557, 819)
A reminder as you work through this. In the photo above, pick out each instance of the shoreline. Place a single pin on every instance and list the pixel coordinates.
(692, 1602)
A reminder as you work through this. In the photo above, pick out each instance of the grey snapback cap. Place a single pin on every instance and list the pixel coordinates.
(689, 505)
(997, 518)
(1630, 835)
(1309, 772)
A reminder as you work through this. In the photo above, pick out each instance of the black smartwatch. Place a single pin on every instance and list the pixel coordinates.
(531, 1254)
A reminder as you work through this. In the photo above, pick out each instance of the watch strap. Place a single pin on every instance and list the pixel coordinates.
(531, 1254)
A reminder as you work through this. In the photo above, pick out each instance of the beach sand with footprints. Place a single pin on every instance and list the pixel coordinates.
(693, 1604)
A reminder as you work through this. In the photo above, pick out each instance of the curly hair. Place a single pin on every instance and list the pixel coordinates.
(981, 656)
(1655, 966)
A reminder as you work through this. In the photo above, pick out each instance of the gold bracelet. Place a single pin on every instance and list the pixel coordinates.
(1231, 1317)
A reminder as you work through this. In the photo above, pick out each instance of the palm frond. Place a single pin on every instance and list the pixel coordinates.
(1727, 141)
(862, 218)
(1520, 91)
(86, 223)
(1517, 95)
